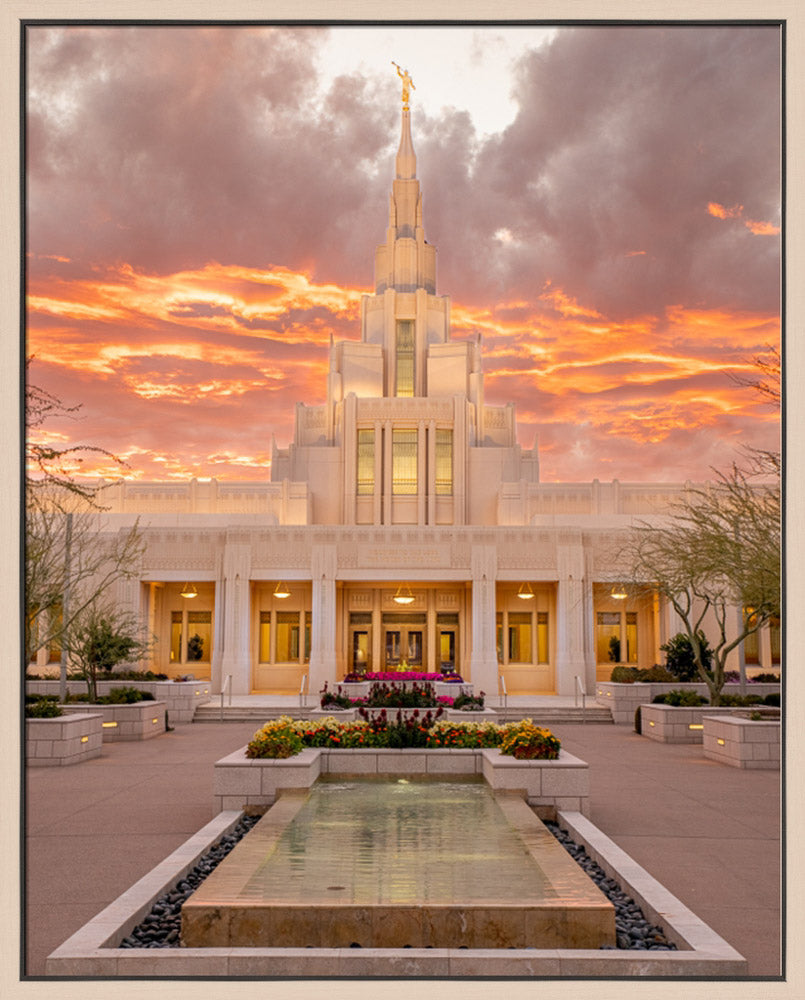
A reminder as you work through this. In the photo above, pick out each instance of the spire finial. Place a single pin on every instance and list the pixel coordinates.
(407, 84)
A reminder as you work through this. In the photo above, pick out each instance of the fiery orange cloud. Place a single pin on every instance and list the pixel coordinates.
(721, 212)
(252, 343)
(736, 212)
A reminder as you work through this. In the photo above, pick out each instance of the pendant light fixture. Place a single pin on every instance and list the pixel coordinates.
(619, 592)
(404, 595)
(189, 590)
(281, 590)
(525, 593)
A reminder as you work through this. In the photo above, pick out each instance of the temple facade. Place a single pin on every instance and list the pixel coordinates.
(403, 526)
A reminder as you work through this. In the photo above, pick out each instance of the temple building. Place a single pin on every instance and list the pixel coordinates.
(403, 525)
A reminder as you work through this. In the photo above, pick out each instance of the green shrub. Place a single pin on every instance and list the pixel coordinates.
(679, 656)
(679, 698)
(45, 708)
(767, 678)
(740, 701)
(657, 675)
(624, 675)
(124, 696)
(638, 721)
(469, 702)
(772, 699)
(30, 698)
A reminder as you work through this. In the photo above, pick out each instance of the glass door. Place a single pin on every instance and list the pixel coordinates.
(403, 641)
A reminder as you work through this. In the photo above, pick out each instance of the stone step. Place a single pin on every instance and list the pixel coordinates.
(540, 714)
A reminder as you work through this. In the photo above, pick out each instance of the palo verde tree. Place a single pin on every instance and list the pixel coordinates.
(71, 562)
(718, 550)
(100, 637)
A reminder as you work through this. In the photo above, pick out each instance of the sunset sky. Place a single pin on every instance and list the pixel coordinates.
(203, 205)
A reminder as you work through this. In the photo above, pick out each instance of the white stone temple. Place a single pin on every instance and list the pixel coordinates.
(403, 525)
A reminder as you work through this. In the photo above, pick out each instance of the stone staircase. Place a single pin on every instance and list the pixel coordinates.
(548, 715)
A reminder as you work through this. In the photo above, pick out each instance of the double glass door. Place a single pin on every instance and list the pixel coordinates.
(404, 641)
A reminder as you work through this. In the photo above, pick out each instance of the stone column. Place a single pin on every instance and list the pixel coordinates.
(324, 564)
(484, 660)
(570, 612)
(235, 654)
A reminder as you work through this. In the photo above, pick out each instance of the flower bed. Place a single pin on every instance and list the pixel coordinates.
(623, 699)
(285, 737)
(402, 675)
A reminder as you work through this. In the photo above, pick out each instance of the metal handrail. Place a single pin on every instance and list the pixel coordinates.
(227, 684)
(302, 691)
(580, 691)
(505, 695)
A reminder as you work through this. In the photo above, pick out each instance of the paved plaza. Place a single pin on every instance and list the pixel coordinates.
(708, 832)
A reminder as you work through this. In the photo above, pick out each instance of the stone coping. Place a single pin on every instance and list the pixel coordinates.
(548, 785)
(623, 699)
(92, 951)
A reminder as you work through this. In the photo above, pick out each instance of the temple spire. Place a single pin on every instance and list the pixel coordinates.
(406, 158)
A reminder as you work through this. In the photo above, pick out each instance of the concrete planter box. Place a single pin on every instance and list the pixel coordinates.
(623, 699)
(68, 739)
(181, 698)
(549, 785)
(671, 724)
(141, 720)
(741, 742)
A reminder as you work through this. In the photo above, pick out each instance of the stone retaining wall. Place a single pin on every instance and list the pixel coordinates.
(682, 724)
(141, 720)
(742, 742)
(180, 697)
(623, 699)
(67, 739)
(547, 784)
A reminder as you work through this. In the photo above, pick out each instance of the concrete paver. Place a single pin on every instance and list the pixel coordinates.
(709, 833)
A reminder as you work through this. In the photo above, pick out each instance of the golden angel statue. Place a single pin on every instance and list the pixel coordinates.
(407, 83)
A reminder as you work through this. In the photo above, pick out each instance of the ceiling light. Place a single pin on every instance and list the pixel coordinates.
(404, 595)
(619, 592)
(525, 592)
(281, 590)
(189, 590)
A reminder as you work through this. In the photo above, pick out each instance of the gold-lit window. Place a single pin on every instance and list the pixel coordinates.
(199, 636)
(366, 462)
(751, 643)
(608, 637)
(519, 637)
(176, 636)
(631, 637)
(542, 637)
(444, 463)
(774, 636)
(405, 357)
(287, 636)
(265, 636)
(404, 462)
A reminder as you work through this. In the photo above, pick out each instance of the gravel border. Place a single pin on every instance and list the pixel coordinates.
(161, 927)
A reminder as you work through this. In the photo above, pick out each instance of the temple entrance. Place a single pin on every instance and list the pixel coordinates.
(403, 641)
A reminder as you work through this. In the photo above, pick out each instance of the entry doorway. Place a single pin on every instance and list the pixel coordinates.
(403, 641)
